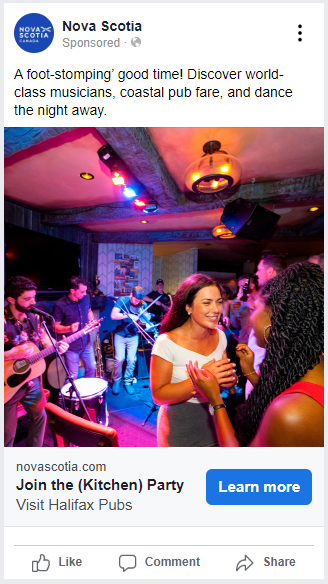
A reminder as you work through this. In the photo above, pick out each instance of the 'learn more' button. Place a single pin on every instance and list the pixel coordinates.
(259, 487)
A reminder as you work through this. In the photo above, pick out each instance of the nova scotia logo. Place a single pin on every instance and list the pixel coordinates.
(34, 33)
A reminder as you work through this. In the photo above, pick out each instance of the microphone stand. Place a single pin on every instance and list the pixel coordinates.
(73, 388)
(153, 409)
(150, 404)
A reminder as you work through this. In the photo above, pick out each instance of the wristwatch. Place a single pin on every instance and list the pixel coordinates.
(213, 408)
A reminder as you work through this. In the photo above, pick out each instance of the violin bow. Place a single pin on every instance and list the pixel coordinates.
(145, 335)
(149, 305)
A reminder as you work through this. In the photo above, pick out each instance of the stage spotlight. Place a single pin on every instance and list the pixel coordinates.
(145, 204)
(109, 157)
(139, 203)
(151, 207)
(105, 153)
(118, 179)
(129, 192)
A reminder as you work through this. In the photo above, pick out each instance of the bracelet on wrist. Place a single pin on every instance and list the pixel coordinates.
(212, 409)
(251, 373)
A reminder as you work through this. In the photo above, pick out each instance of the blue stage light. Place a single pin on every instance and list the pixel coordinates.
(129, 192)
(151, 207)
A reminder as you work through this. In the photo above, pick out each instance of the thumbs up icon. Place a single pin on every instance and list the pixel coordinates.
(41, 565)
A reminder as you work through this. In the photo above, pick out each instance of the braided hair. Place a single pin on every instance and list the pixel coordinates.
(295, 343)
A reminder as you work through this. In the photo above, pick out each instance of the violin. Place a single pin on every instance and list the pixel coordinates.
(144, 317)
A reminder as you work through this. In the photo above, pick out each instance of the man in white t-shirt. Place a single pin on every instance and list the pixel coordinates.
(270, 265)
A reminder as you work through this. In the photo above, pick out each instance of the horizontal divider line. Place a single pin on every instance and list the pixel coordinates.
(163, 545)
(169, 526)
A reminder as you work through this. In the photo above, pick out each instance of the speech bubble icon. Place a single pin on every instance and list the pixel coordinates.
(127, 562)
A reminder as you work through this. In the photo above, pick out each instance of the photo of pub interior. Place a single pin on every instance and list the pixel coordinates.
(115, 237)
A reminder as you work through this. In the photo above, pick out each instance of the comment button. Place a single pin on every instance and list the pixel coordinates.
(259, 487)
(127, 562)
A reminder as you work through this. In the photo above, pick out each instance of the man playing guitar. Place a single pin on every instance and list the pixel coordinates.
(21, 326)
(71, 314)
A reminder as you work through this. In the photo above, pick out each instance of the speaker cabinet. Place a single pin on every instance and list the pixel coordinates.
(248, 219)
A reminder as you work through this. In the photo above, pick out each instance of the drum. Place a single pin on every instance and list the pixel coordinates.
(53, 373)
(55, 370)
(93, 392)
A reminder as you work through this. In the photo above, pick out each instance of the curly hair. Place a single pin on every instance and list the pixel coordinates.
(17, 285)
(295, 343)
(185, 294)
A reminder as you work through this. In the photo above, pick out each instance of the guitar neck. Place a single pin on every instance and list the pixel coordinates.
(45, 352)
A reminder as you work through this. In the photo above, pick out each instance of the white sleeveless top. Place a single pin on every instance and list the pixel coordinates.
(179, 357)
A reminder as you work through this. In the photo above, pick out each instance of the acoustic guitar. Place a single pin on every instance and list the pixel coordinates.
(20, 371)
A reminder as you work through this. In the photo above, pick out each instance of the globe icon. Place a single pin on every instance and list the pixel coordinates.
(136, 42)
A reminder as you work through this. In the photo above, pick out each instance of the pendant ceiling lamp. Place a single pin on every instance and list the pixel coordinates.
(213, 172)
(223, 232)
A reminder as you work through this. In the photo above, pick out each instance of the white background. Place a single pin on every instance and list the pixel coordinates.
(161, 507)
(162, 523)
(206, 36)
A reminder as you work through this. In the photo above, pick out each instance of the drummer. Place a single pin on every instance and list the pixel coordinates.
(126, 337)
(161, 306)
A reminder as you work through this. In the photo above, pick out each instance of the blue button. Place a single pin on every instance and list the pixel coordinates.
(259, 487)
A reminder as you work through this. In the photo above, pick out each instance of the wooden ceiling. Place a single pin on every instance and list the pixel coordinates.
(43, 166)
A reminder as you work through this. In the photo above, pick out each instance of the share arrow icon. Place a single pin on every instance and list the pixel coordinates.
(245, 563)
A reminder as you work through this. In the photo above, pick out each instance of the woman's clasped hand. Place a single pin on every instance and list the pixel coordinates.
(223, 370)
(206, 381)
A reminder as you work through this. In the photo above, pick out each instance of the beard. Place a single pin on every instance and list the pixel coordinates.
(21, 308)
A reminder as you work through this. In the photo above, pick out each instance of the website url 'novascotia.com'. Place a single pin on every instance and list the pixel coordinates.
(59, 466)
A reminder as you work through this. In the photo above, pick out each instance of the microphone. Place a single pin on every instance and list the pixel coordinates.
(111, 297)
(35, 310)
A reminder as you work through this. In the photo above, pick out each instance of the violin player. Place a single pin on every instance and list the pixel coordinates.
(126, 338)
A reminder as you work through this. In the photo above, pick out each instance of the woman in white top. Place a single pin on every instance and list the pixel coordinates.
(189, 331)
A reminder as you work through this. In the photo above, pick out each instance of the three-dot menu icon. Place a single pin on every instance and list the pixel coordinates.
(300, 33)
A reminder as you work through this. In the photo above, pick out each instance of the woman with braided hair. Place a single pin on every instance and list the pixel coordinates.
(285, 407)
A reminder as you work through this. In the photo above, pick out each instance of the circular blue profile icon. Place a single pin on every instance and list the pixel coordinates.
(34, 32)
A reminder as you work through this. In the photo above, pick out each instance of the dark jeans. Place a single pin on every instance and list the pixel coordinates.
(33, 400)
(88, 357)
